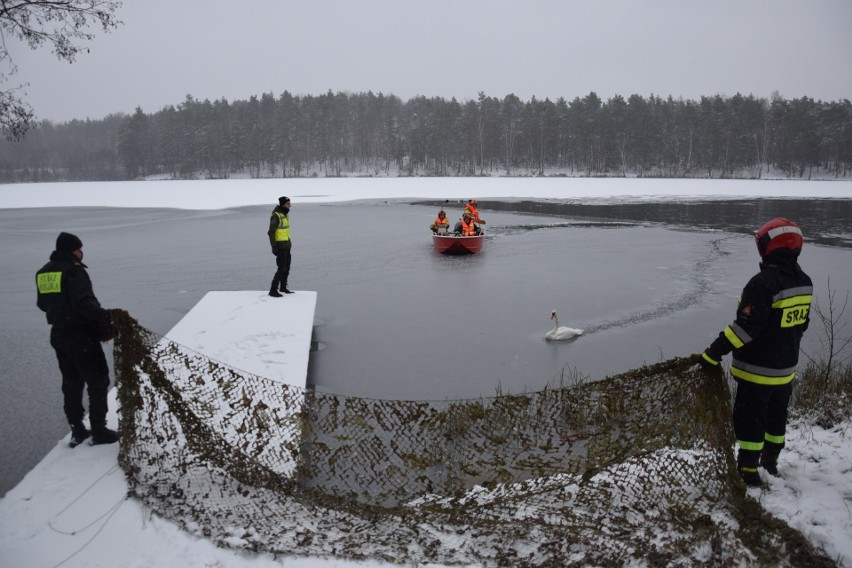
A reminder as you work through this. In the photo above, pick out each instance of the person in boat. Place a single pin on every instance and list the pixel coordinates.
(472, 207)
(467, 227)
(441, 225)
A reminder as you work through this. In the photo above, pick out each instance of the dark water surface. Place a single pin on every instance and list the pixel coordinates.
(394, 319)
(828, 221)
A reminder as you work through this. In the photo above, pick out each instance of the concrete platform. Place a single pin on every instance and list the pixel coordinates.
(72, 510)
(253, 332)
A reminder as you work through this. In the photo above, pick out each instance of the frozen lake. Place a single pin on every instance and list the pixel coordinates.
(394, 319)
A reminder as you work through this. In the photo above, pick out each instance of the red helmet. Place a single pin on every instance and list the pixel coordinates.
(779, 233)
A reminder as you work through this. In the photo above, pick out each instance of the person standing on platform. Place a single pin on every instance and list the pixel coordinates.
(78, 322)
(279, 238)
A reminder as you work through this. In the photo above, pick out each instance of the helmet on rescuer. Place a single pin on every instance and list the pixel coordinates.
(779, 233)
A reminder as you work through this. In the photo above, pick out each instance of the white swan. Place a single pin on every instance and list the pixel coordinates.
(561, 333)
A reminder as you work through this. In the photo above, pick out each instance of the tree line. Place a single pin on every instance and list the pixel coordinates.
(367, 134)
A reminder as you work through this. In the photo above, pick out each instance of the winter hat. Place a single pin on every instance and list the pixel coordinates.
(68, 242)
(282, 201)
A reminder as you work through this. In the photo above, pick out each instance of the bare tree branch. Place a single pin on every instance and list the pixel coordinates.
(64, 25)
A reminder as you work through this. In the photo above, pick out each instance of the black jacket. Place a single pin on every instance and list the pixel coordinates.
(772, 315)
(65, 294)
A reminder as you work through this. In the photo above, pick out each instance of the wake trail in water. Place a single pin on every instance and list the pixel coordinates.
(701, 281)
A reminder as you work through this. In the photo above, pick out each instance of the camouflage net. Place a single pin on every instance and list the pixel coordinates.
(635, 468)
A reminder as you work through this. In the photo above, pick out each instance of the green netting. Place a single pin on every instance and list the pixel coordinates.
(634, 468)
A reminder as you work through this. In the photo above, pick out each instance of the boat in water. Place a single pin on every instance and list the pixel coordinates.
(458, 244)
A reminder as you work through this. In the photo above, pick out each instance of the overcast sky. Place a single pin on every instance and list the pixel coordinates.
(211, 49)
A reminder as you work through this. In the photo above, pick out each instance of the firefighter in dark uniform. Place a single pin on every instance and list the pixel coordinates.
(772, 315)
(279, 238)
(77, 324)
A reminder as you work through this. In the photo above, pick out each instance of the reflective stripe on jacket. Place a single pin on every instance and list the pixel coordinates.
(772, 315)
(64, 293)
(788, 317)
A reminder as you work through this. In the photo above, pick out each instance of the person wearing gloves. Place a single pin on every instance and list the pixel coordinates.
(441, 225)
(279, 238)
(467, 226)
(77, 323)
(772, 315)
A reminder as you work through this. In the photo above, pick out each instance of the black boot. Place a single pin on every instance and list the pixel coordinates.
(103, 435)
(79, 434)
(769, 458)
(751, 477)
(771, 468)
(747, 461)
(273, 291)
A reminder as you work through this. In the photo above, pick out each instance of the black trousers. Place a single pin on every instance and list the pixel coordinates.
(282, 261)
(760, 411)
(83, 364)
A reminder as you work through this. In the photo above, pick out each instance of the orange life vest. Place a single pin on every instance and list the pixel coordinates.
(468, 229)
(474, 212)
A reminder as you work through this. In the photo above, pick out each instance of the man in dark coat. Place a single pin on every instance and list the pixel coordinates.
(279, 239)
(77, 322)
(773, 313)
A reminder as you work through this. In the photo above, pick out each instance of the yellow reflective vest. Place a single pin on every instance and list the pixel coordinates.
(282, 233)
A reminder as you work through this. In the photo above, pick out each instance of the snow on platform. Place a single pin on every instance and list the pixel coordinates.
(72, 510)
(253, 332)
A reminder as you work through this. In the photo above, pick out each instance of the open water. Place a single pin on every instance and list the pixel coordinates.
(394, 319)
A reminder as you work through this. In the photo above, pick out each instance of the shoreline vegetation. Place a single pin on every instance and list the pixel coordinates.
(377, 135)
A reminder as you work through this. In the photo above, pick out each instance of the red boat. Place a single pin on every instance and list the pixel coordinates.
(457, 244)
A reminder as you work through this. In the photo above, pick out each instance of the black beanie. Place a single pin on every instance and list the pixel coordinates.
(283, 200)
(68, 242)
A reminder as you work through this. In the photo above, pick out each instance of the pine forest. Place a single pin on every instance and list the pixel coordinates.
(367, 134)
